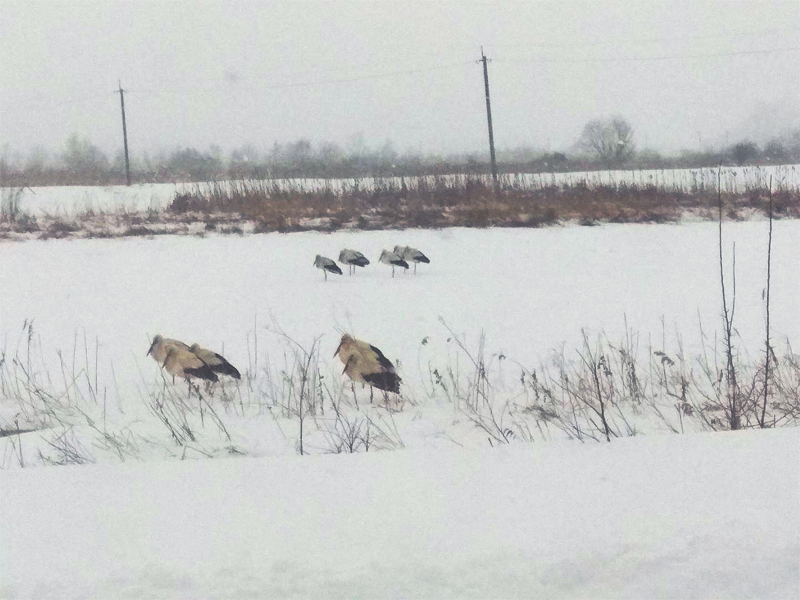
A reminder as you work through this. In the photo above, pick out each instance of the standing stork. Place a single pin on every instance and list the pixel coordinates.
(215, 361)
(327, 265)
(186, 364)
(393, 260)
(411, 254)
(365, 363)
(161, 346)
(353, 259)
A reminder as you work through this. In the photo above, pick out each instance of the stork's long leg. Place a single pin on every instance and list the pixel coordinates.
(355, 398)
(370, 394)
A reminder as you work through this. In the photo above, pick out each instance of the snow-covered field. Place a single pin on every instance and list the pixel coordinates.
(704, 516)
(70, 201)
(448, 513)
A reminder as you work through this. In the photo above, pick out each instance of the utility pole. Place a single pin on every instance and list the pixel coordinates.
(484, 60)
(125, 134)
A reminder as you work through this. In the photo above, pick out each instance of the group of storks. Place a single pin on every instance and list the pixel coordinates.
(399, 257)
(363, 362)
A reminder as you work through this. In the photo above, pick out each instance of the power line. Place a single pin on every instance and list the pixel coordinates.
(651, 40)
(405, 72)
(644, 58)
(319, 82)
(34, 107)
(237, 88)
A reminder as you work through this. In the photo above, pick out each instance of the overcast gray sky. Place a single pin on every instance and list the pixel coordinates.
(236, 72)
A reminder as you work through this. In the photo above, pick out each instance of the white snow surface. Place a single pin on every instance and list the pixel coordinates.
(442, 516)
(530, 290)
(703, 516)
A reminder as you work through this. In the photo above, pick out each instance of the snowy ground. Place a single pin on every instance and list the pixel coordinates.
(705, 516)
(530, 290)
(445, 515)
(70, 201)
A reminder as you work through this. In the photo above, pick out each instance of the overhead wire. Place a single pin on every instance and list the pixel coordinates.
(319, 82)
(547, 59)
(234, 87)
(60, 104)
(628, 42)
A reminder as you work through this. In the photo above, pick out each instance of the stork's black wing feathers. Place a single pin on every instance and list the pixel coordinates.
(226, 368)
(203, 372)
(389, 382)
(333, 268)
(382, 360)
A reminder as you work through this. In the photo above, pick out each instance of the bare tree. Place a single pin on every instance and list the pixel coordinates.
(82, 156)
(611, 140)
(744, 152)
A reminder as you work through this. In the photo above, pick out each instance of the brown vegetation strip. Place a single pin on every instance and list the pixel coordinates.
(467, 203)
(265, 206)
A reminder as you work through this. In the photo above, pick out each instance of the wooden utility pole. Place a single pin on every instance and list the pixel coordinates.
(125, 134)
(484, 60)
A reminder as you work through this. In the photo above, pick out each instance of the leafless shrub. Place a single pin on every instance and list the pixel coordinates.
(302, 388)
(10, 198)
(698, 390)
(67, 447)
(138, 231)
(61, 227)
(474, 396)
(385, 431)
(348, 434)
(785, 397)
(593, 397)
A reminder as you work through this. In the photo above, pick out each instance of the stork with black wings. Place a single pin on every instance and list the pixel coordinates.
(353, 259)
(327, 265)
(365, 363)
(393, 260)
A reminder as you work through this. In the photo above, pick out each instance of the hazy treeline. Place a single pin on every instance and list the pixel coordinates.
(80, 162)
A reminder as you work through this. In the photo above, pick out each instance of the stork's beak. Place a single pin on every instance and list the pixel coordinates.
(151, 348)
(339, 347)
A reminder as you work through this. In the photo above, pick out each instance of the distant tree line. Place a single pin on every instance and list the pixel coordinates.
(604, 143)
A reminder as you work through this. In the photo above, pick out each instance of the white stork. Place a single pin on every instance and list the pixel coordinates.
(411, 254)
(186, 364)
(215, 361)
(327, 265)
(393, 260)
(365, 363)
(161, 345)
(353, 259)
